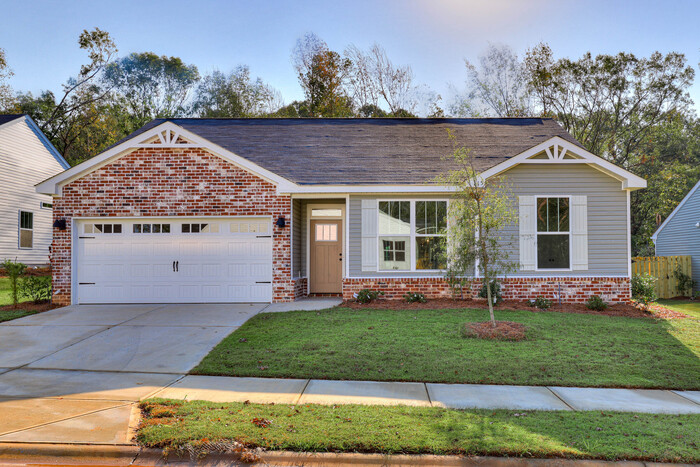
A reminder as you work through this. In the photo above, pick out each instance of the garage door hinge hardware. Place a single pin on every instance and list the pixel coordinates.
(86, 283)
(86, 237)
(263, 236)
(263, 282)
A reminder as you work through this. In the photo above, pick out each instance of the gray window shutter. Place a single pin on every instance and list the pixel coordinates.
(528, 232)
(579, 233)
(369, 235)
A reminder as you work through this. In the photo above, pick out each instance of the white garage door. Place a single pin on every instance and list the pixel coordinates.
(174, 261)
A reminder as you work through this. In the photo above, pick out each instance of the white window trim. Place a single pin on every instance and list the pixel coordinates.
(20, 229)
(411, 235)
(538, 233)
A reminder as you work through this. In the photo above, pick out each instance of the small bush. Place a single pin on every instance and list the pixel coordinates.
(495, 291)
(596, 303)
(35, 288)
(541, 303)
(366, 295)
(643, 289)
(415, 297)
(13, 270)
(685, 282)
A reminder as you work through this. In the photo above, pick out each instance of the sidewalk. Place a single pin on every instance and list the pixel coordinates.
(455, 396)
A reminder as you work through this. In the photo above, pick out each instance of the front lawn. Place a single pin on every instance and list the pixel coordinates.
(565, 349)
(25, 308)
(422, 430)
(689, 307)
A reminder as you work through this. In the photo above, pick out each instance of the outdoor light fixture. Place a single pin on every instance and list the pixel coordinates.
(60, 224)
(280, 222)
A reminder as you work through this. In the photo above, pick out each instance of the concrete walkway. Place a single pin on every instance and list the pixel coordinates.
(456, 396)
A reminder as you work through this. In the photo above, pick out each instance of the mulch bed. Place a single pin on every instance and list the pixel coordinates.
(503, 331)
(31, 306)
(629, 310)
(31, 271)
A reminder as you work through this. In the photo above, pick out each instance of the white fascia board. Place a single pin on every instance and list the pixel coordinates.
(673, 213)
(629, 180)
(52, 186)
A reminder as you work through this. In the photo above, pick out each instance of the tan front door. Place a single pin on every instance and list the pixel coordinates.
(326, 257)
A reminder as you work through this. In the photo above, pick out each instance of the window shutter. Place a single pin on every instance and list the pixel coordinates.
(579, 233)
(369, 235)
(528, 231)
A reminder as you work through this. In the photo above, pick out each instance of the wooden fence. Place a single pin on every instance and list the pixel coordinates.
(662, 267)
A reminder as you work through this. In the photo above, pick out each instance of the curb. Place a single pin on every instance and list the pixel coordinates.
(81, 453)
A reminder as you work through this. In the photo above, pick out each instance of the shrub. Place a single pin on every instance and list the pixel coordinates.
(596, 303)
(495, 291)
(643, 288)
(415, 297)
(685, 282)
(35, 288)
(13, 270)
(366, 295)
(541, 303)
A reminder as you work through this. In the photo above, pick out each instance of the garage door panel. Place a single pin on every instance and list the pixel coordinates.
(136, 267)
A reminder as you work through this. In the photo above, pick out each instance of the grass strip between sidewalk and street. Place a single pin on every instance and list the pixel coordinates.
(560, 349)
(422, 430)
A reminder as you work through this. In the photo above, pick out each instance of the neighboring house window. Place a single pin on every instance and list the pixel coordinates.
(45, 205)
(553, 233)
(26, 229)
(411, 225)
(151, 228)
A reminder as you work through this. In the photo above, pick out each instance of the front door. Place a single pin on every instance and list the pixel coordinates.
(326, 257)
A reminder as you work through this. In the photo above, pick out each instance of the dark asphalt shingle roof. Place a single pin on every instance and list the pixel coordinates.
(368, 151)
(4, 118)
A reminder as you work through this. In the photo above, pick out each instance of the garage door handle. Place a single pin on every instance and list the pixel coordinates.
(173, 266)
(86, 237)
(177, 266)
(86, 283)
(263, 236)
(263, 282)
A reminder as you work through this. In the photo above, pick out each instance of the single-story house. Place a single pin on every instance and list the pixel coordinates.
(26, 158)
(679, 234)
(260, 210)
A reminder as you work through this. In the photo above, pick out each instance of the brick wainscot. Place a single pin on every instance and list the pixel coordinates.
(156, 182)
(572, 289)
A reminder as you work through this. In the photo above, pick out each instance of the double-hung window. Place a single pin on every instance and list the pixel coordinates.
(553, 233)
(412, 235)
(26, 229)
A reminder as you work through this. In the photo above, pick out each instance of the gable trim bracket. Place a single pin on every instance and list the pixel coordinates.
(560, 151)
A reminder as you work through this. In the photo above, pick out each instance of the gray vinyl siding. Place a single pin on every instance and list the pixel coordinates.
(607, 218)
(25, 160)
(297, 239)
(607, 213)
(680, 236)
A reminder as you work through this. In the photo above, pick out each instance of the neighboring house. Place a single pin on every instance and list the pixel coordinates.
(26, 158)
(679, 235)
(259, 210)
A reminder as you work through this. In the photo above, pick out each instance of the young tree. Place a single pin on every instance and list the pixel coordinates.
(149, 86)
(478, 214)
(496, 87)
(235, 95)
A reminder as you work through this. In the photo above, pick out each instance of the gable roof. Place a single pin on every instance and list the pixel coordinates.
(673, 213)
(11, 119)
(365, 151)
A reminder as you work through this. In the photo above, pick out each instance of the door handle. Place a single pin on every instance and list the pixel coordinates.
(177, 266)
(173, 266)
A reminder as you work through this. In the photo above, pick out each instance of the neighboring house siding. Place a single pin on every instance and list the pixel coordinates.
(25, 160)
(607, 214)
(680, 236)
(607, 219)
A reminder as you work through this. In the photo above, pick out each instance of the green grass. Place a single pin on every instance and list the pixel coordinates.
(5, 292)
(561, 349)
(689, 307)
(424, 430)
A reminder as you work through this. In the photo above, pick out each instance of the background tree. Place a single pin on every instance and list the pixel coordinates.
(322, 74)
(479, 214)
(6, 97)
(497, 87)
(149, 86)
(70, 119)
(234, 95)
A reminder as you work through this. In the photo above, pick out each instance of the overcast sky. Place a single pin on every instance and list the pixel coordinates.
(433, 36)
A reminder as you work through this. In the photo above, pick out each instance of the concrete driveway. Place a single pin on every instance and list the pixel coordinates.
(74, 374)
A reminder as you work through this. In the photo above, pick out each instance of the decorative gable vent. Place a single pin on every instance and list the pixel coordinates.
(166, 138)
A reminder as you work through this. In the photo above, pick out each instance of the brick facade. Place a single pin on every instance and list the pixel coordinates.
(171, 182)
(573, 289)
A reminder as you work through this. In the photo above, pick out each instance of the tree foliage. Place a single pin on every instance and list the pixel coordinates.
(479, 213)
(6, 96)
